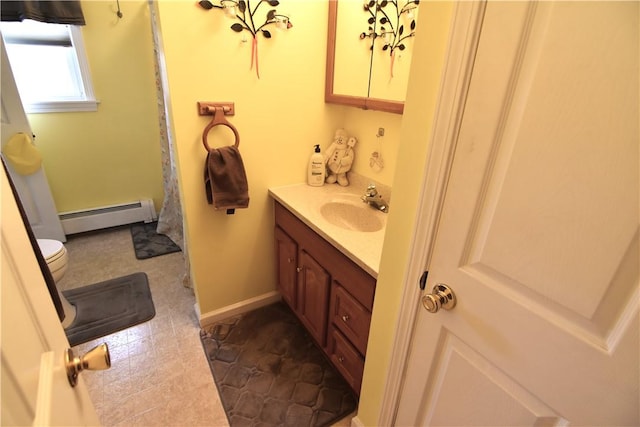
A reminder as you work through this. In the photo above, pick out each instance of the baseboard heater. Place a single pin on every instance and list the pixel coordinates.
(108, 216)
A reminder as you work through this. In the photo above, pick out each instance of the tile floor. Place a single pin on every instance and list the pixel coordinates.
(159, 374)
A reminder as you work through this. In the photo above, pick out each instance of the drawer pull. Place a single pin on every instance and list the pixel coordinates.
(345, 318)
(340, 359)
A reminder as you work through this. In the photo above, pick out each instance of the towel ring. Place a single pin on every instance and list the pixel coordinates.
(218, 119)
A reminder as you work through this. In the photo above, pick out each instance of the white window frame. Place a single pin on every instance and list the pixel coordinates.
(89, 103)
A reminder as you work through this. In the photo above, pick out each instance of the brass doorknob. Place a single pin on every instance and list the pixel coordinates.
(441, 297)
(96, 359)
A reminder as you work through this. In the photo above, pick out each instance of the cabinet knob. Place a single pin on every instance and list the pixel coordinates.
(298, 269)
(345, 318)
(340, 359)
(289, 260)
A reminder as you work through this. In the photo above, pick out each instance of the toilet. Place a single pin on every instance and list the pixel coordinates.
(55, 254)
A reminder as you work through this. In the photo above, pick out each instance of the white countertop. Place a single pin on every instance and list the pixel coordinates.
(304, 201)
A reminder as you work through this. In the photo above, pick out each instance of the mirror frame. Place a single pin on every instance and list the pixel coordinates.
(365, 103)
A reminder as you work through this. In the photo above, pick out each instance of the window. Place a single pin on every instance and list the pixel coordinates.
(50, 66)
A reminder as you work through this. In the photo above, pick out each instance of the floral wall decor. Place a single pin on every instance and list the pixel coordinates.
(391, 17)
(245, 14)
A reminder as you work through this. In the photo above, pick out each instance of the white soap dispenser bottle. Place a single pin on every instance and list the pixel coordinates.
(316, 171)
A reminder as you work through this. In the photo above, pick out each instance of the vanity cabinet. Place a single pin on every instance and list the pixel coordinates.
(313, 296)
(329, 293)
(303, 283)
(287, 259)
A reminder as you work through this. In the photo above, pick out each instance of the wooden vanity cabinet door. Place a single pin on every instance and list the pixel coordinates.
(350, 317)
(313, 297)
(287, 261)
(346, 359)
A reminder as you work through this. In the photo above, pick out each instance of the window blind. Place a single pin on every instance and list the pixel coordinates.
(54, 12)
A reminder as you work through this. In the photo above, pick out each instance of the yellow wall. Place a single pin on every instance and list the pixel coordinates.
(279, 117)
(364, 126)
(419, 110)
(113, 155)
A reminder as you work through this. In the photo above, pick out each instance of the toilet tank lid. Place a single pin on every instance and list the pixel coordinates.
(49, 247)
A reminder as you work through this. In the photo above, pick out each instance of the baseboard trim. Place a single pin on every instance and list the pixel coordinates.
(212, 317)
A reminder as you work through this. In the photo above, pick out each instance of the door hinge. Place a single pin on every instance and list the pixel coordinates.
(423, 280)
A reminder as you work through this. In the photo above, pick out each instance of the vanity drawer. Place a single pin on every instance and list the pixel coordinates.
(350, 317)
(346, 358)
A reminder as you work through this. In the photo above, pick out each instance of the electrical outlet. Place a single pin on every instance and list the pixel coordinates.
(380, 132)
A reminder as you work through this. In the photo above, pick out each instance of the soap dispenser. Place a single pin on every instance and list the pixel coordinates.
(316, 171)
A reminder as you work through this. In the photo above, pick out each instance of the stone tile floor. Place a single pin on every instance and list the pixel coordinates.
(159, 374)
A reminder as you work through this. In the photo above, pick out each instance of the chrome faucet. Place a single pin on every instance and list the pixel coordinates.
(374, 199)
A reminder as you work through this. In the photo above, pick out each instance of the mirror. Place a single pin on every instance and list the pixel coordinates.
(369, 50)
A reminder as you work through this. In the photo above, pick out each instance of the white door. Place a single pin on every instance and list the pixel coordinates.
(35, 389)
(538, 235)
(33, 189)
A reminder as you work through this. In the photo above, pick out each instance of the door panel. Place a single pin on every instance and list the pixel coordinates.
(457, 363)
(552, 177)
(30, 328)
(534, 180)
(538, 235)
(28, 357)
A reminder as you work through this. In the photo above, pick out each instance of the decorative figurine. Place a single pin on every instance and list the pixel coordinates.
(339, 158)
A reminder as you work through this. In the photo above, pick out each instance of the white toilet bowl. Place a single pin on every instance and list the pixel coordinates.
(55, 254)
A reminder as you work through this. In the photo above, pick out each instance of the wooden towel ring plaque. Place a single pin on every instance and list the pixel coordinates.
(219, 119)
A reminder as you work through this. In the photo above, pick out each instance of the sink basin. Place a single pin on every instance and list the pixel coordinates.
(351, 213)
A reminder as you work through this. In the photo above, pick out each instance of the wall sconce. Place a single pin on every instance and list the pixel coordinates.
(390, 16)
(242, 11)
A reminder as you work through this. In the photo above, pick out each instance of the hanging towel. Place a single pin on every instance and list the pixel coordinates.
(225, 179)
(22, 154)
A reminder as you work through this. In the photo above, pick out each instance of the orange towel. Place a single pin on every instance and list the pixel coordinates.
(225, 179)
